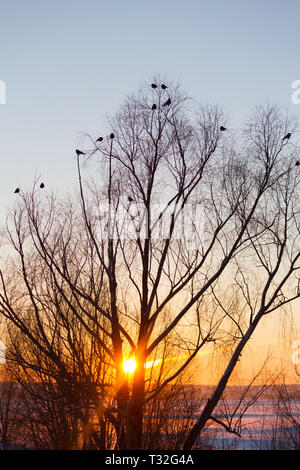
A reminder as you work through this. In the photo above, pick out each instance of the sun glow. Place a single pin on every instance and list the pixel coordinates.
(153, 363)
(129, 365)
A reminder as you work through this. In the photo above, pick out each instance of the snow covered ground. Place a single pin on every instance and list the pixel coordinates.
(263, 428)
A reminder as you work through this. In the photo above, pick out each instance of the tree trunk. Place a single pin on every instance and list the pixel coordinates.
(216, 395)
(122, 403)
(134, 434)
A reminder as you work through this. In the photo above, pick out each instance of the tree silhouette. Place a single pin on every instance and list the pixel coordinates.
(164, 285)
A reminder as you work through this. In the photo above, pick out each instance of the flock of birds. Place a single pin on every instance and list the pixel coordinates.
(164, 87)
(17, 190)
(154, 107)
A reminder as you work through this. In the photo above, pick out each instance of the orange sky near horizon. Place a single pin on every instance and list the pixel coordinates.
(271, 342)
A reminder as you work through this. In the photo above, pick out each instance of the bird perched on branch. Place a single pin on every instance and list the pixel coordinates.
(79, 152)
(163, 86)
(99, 139)
(42, 185)
(112, 135)
(288, 136)
(154, 107)
(167, 103)
(130, 199)
(17, 190)
(222, 128)
(297, 163)
(153, 85)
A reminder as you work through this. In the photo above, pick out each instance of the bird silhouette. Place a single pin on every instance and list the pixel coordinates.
(42, 185)
(130, 199)
(154, 107)
(167, 103)
(297, 163)
(79, 152)
(112, 135)
(288, 136)
(17, 190)
(163, 86)
(222, 128)
(153, 85)
(99, 139)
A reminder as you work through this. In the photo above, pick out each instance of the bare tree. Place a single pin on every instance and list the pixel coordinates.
(59, 413)
(137, 268)
(268, 251)
(10, 422)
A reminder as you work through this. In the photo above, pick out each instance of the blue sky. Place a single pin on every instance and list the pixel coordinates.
(67, 64)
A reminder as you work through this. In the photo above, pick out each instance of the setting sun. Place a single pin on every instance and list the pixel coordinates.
(129, 365)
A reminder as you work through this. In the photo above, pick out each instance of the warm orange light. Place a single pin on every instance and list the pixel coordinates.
(129, 365)
(153, 363)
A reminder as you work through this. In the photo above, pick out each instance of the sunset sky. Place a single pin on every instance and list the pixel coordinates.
(67, 64)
